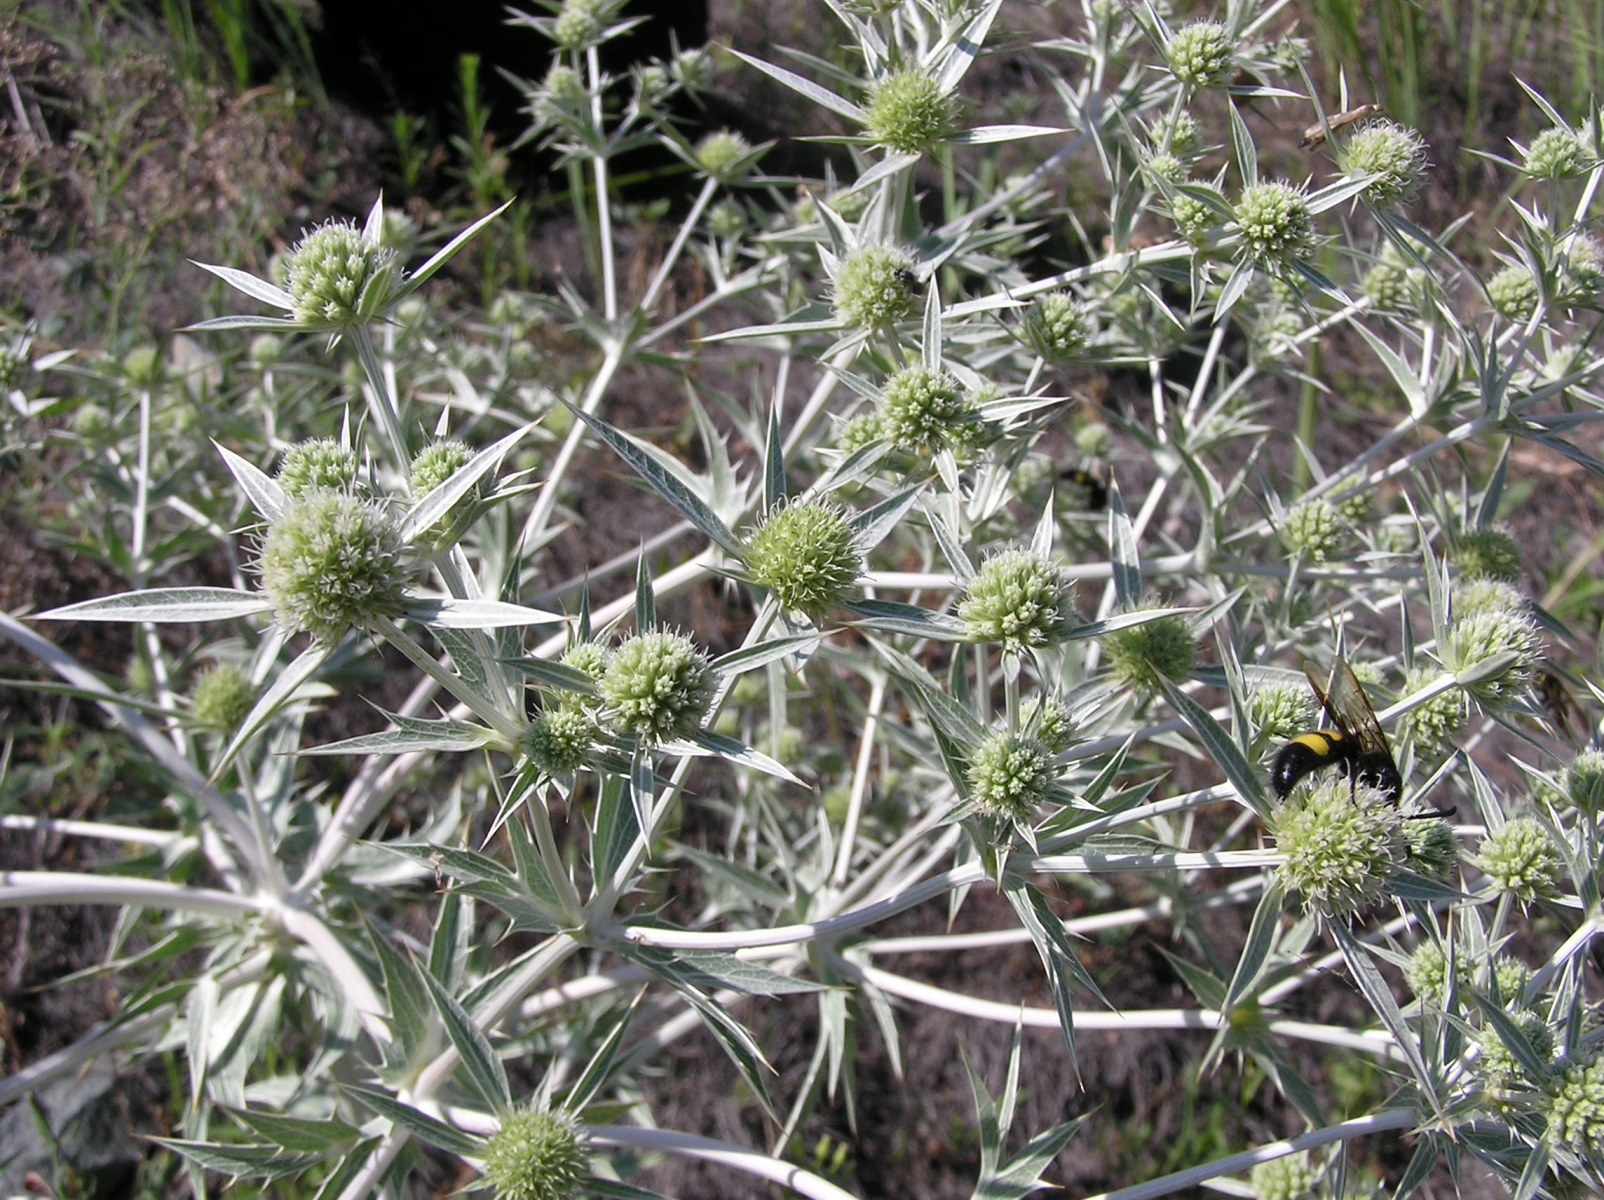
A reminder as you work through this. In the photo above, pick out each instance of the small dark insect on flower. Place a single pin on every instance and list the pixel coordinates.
(1315, 135)
(905, 277)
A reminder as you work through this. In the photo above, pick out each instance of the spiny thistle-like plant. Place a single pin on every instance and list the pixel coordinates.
(1340, 844)
(331, 563)
(1201, 54)
(805, 554)
(537, 1154)
(1276, 224)
(908, 112)
(874, 287)
(1009, 775)
(316, 463)
(1520, 860)
(657, 685)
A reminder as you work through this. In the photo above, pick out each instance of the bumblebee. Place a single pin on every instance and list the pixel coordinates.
(1353, 742)
(1092, 489)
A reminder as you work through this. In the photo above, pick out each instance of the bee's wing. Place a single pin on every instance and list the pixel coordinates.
(1312, 673)
(1350, 707)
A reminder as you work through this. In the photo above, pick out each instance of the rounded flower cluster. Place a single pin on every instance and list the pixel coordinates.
(857, 432)
(222, 698)
(805, 555)
(1193, 219)
(921, 409)
(1094, 438)
(1312, 530)
(1506, 1085)
(1143, 655)
(719, 154)
(1520, 860)
(1054, 728)
(12, 364)
(332, 561)
(318, 463)
(1341, 844)
(874, 287)
(561, 95)
(657, 686)
(1009, 775)
(537, 1154)
(1185, 135)
(1276, 224)
(1284, 1178)
(328, 270)
(1584, 782)
(1513, 293)
(1575, 1107)
(1431, 724)
(1555, 154)
(1395, 281)
(1394, 154)
(589, 657)
(1281, 709)
(558, 739)
(579, 24)
(1200, 54)
(436, 463)
(908, 112)
(726, 220)
(1480, 594)
(1057, 327)
(1478, 637)
(1016, 600)
(1426, 972)
(1487, 553)
(1167, 167)
(1430, 847)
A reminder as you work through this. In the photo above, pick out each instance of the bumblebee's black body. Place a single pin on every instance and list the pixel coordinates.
(1096, 490)
(1354, 742)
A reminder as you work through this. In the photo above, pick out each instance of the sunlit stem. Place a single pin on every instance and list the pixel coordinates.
(551, 858)
(383, 403)
(604, 216)
(426, 662)
(860, 780)
(660, 280)
(1011, 690)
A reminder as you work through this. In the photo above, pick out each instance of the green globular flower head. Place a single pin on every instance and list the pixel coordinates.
(1094, 438)
(1140, 656)
(318, 463)
(266, 349)
(1431, 724)
(908, 112)
(921, 409)
(1341, 844)
(1575, 1106)
(1057, 327)
(1583, 271)
(1167, 167)
(332, 561)
(1185, 135)
(1506, 1086)
(1054, 728)
(1584, 782)
(1394, 154)
(874, 287)
(857, 432)
(1480, 637)
(1513, 293)
(1286, 1178)
(589, 657)
(1009, 775)
(222, 698)
(561, 95)
(1512, 976)
(1276, 224)
(657, 686)
(1426, 973)
(537, 1154)
(1555, 154)
(718, 154)
(1481, 594)
(436, 463)
(804, 554)
(1193, 219)
(557, 740)
(1395, 281)
(1015, 600)
(579, 24)
(1520, 860)
(327, 272)
(1281, 710)
(1312, 530)
(1200, 54)
(726, 220)
(1430, 847)
(1488, 553)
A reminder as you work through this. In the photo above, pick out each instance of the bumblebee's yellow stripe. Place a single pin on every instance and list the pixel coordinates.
(1320, 742)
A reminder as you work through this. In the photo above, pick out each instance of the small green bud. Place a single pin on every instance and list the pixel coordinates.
(1054, 728)
(726, 220)
(908, 112)
(1513, 293)
(317, 463)
(1016, 600)
(142, 366)
(1431, 724)
(1479, 636)
(589, 657)
(561, 97)
(1009, 775)
(1426, 972)
(720, 154)
(804, 554)
(537, 1155)
(921, 409)
(1491, 553)
(1575, 1107)
(222, 697)
(1281, 710)
(266, 349)
(1506, 1086)
(1583, 271)
(1395, 282)
(1474, 594)
(1341, 843)
(327, 272)
(1286, 1178)
(436, 463)
(692, 69)
(332, 561)
(92, 422)
(1584, 782)
(1312, 530)
(1511, 975)
(1430, 847)
(1276, 224)
(651, 81)
(657, 686)
(1185, 136)
(857, 432)
(1141, 655)
(398, 232)
(874, 287)
(558, 739)
(1200, 54)
(836, 802)
(1193, 219)
(1520, 860)
(1555, 154)
(1057, 326)
(1094, 439)
(579, 24)
(1394, 154)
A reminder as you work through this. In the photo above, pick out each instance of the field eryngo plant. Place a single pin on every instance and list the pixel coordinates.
(989, 637)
